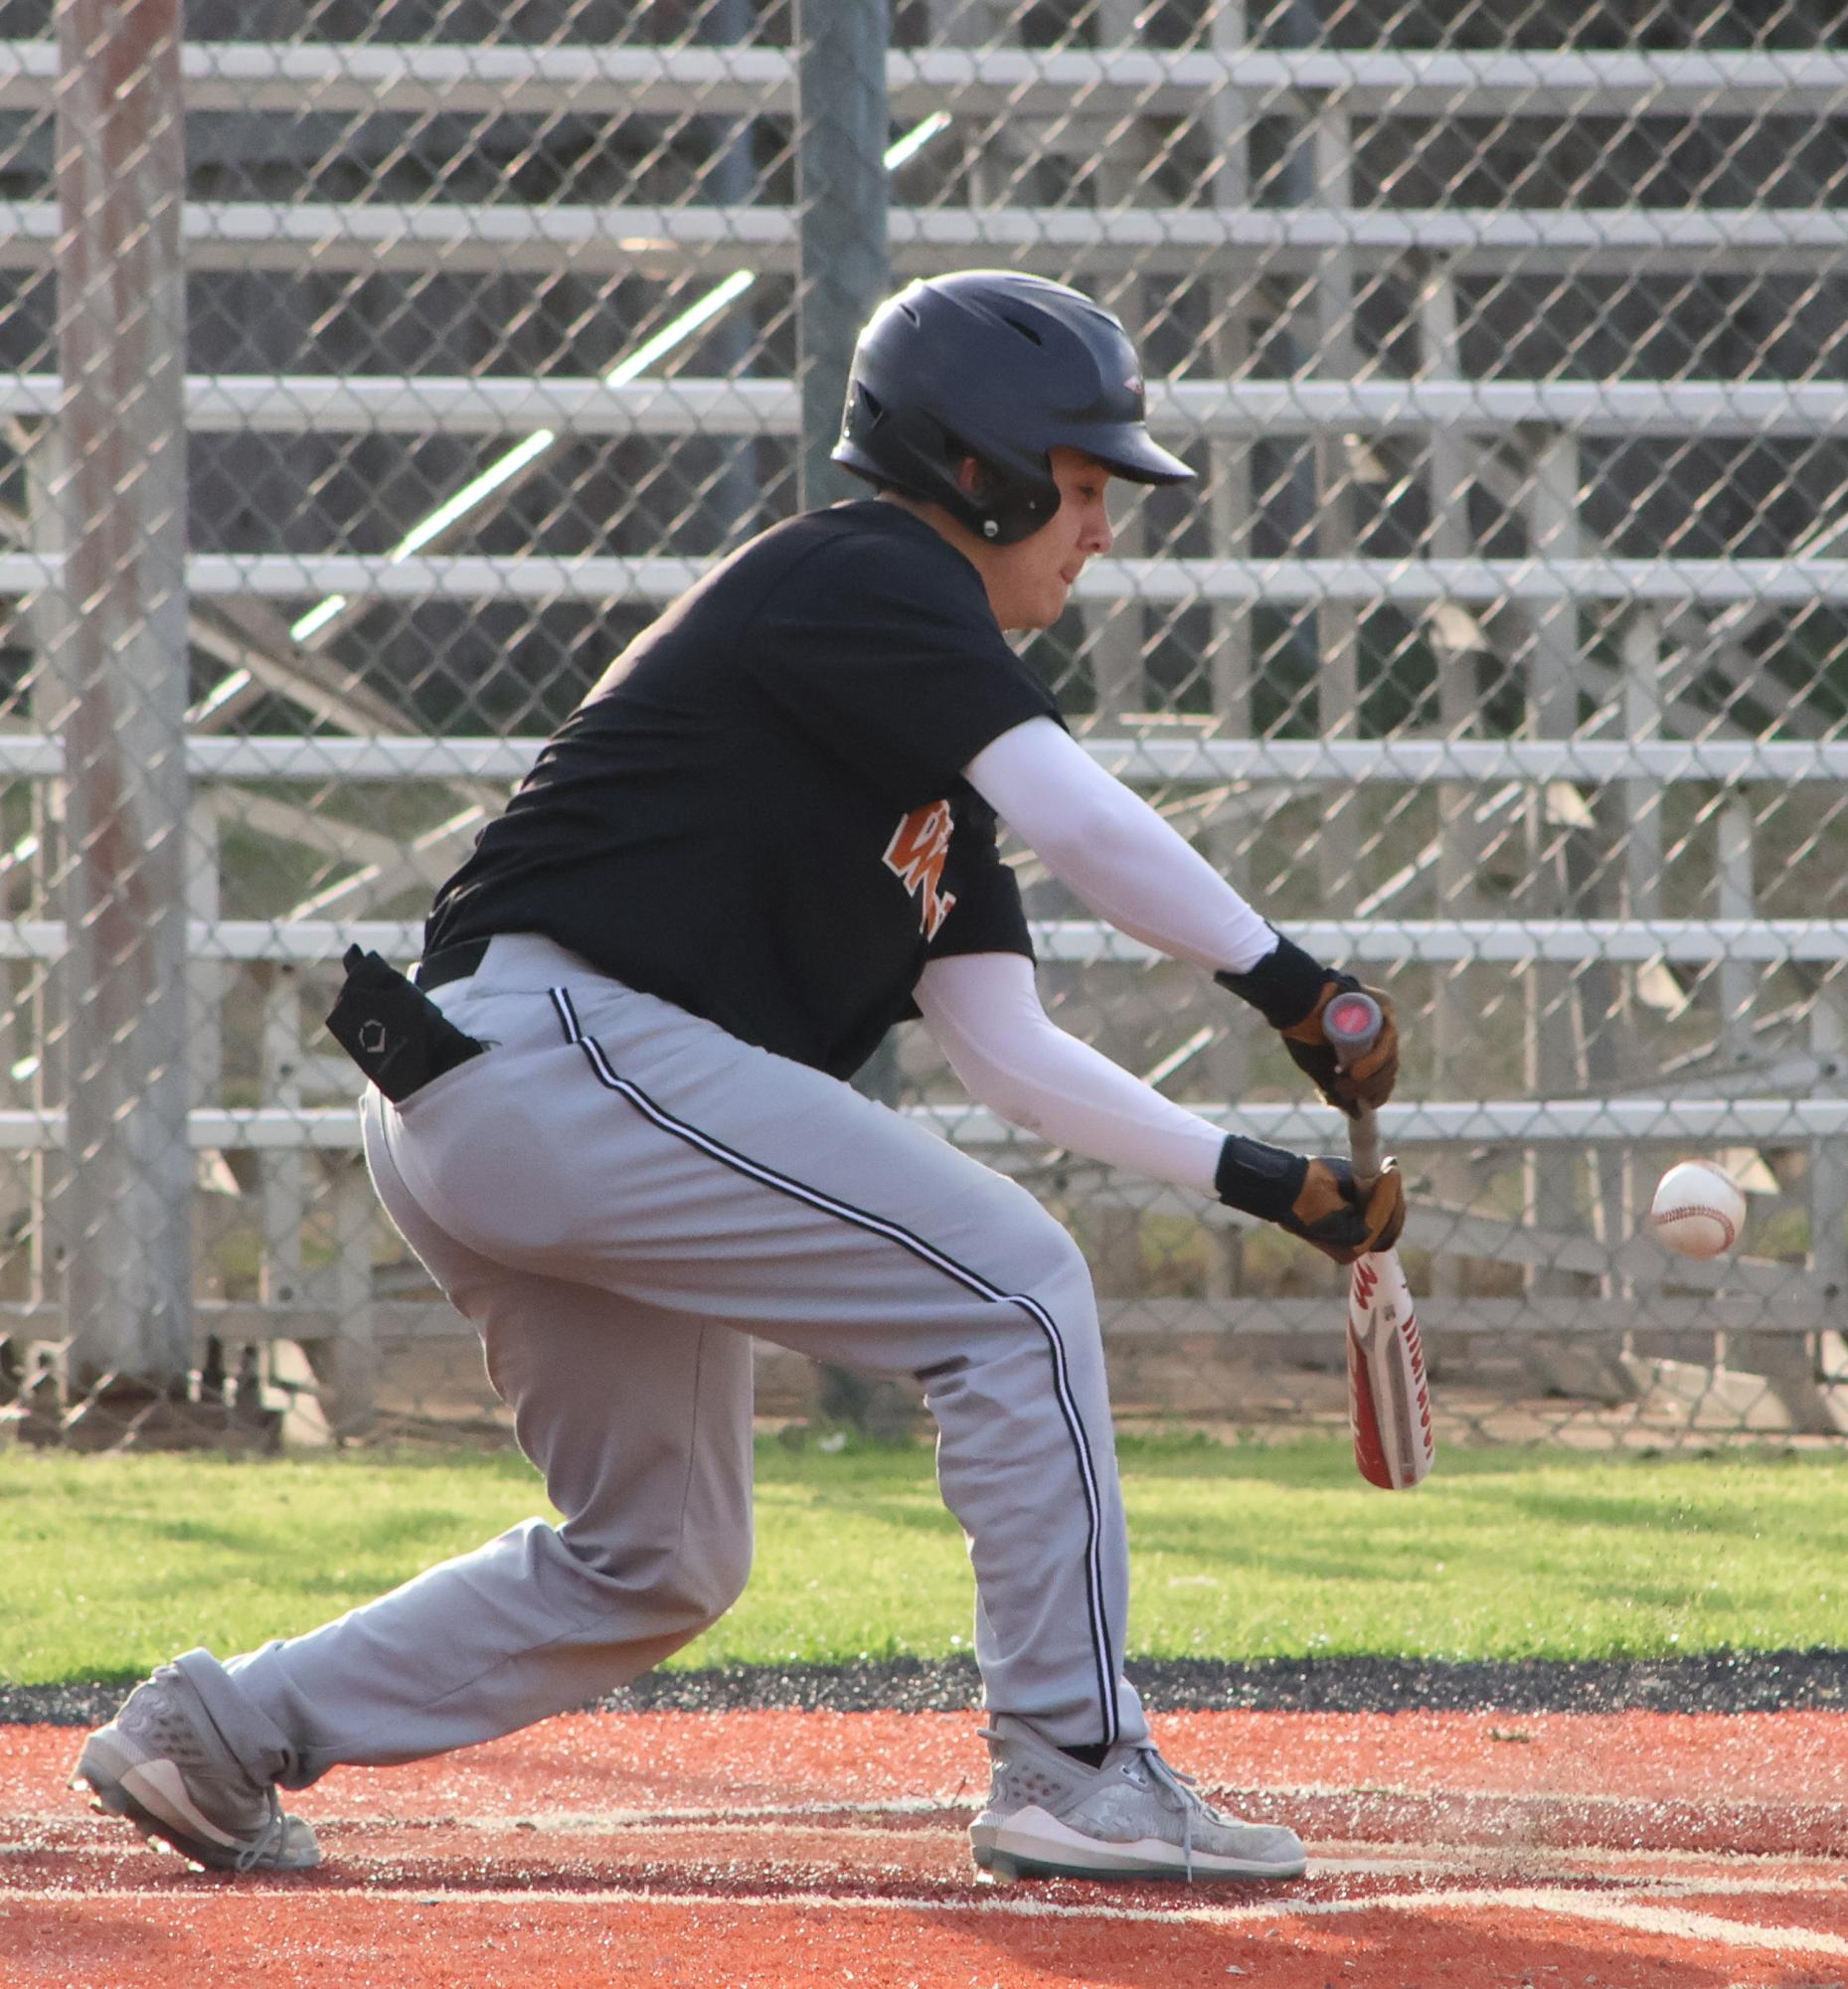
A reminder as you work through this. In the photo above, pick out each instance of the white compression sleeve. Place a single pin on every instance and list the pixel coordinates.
(1112, 850)
(983, 1010)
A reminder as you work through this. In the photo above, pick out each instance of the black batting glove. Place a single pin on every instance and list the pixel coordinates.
(1313, 1195)
(1291, 989)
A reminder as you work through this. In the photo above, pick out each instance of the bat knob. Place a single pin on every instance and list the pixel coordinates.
(1351, 1022)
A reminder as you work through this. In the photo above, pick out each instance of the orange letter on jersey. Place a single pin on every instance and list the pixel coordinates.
(916, 855)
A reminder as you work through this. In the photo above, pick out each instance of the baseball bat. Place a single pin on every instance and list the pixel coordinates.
(1389, 1398)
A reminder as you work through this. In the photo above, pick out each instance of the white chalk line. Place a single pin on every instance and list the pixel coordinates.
(1638, 1917)
(961, 1804)
(1682, 1924)
(967, 1799)
(1771, 1871)
(1575, 1802)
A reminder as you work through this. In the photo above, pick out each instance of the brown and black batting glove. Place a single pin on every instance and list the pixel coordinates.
(1291, 989)
(1313, 1195)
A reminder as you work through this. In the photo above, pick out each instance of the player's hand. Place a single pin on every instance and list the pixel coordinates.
(1368, 1081)
(1291, 989)
(1313, 1195)
(1330, 1213)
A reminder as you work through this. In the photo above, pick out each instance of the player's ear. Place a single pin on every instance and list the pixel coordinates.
(972, 475)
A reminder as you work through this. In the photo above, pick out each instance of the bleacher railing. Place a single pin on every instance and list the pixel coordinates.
(1500, 649)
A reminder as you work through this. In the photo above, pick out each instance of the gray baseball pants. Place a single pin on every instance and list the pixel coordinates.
(619, 1196)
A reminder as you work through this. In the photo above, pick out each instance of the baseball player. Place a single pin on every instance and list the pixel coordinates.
(613, 1120)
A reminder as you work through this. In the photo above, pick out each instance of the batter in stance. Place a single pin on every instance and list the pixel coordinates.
(765, 837)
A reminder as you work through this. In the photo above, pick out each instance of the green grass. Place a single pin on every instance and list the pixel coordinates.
(1240, 1552)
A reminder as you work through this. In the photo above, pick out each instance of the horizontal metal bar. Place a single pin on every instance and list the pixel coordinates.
(1423, 83)
(258, 1128)
(1477, 582)
(1495, 1122)
(1490, 1122)
(1803, 1305)
(416, 78)
(459, 237)
(1640, 1258)
(293, 941)
(1160, 757)
(1085, 942)
(1244, 409)
(288, 757)
(1502, 941)
(304, 403)
(287, 576)
(379, 1321)
(1795, 581)
(404, 404)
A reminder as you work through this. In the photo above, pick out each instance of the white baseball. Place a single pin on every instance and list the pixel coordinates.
(1698, 1210)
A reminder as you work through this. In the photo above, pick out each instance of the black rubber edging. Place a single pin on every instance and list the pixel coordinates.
(1717, 1681)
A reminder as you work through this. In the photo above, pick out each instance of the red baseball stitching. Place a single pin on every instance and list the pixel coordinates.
(1666, 1216)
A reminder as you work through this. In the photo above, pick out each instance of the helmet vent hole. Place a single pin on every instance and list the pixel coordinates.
(1026, 331)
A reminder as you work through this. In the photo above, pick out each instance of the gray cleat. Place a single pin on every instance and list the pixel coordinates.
(1051, 1817)
(162, 1764)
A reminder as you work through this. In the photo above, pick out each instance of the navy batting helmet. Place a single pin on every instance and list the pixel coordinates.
(1003, 367)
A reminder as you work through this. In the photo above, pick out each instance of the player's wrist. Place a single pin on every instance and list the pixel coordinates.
(1313, 1195)
(1258, 1180)
(1286, 986)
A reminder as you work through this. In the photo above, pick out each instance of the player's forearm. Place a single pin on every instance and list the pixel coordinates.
(1114, 852)
(985, 1016)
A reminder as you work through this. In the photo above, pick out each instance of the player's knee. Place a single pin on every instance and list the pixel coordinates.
(1059, 1279)
(1054, 1299)
(718, 1576)
(1040, 1254)
(702, 1582)
(687, 1587)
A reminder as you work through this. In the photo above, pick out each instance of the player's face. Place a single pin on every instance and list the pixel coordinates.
(1030, 582)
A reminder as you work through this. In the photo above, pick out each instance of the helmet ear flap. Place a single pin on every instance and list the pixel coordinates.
(1002, 507)
(982, 496)
(981, 491)
(986, 501)
(912, 450)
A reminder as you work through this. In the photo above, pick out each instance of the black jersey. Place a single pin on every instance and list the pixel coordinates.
(758, 812)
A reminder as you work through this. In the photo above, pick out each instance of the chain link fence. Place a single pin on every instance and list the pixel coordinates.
(371, 375)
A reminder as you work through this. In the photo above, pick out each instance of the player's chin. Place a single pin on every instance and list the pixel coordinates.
(1052, 605)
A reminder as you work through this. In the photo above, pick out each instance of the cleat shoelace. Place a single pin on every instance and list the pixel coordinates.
(1179, 1792)
(272, 1838)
